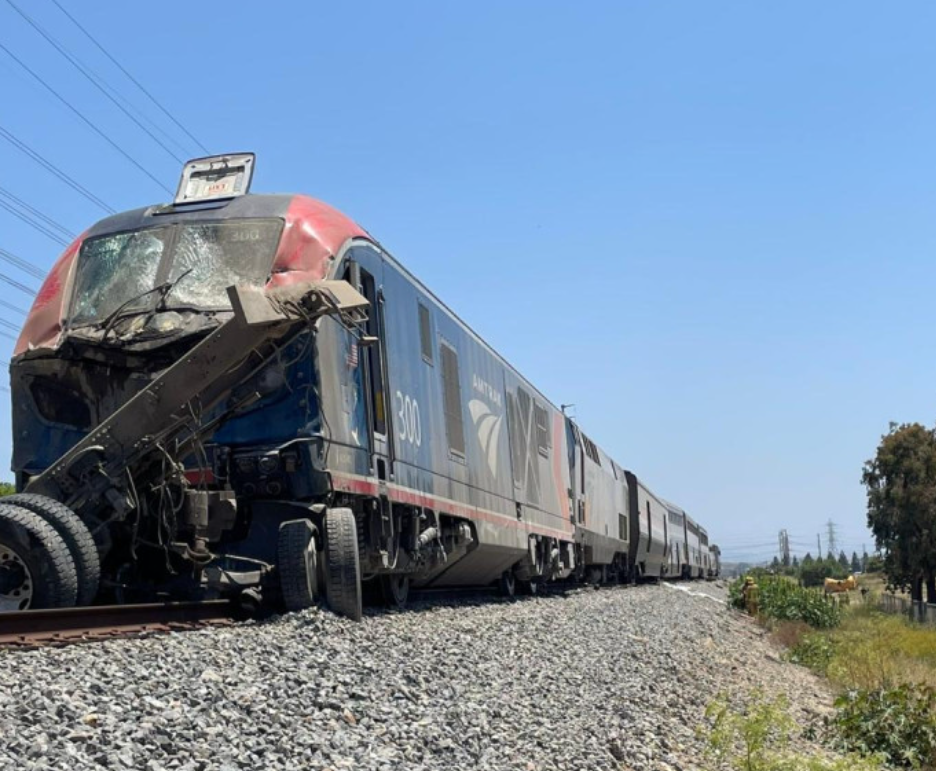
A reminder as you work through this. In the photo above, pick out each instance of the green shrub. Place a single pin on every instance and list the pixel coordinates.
(755, 735)
(781, 599)
(815, 573)
(898, 723)
(815, 651)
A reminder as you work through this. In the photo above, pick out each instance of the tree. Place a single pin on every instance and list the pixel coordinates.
(816, 572)
(901, 487)
(6, 488)
(864, 560)
(807, 560)
(795, 562)
(843, 561)
(855, 563)
(775, 565)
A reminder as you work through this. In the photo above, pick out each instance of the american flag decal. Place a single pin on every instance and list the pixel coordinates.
(352, 358)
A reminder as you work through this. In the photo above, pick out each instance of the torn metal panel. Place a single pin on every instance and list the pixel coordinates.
(162, 421)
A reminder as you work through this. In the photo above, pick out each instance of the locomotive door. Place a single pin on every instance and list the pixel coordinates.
(373, 360)
(576, 473)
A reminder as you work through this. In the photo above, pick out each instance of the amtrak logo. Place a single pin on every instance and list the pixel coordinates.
(488, 426)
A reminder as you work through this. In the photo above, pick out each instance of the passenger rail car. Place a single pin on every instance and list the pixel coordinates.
(388, 448)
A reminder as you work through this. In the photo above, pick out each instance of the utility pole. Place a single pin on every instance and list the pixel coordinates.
(830, 537)
(819, 544)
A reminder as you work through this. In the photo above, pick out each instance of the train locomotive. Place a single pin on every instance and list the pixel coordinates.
(242, 395)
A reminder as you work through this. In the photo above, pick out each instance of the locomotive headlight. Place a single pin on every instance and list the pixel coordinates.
(245, 464)
(268, 464)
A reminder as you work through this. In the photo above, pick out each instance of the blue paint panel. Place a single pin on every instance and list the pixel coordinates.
(290, 411)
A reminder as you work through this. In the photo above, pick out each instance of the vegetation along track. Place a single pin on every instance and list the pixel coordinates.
(65, 626)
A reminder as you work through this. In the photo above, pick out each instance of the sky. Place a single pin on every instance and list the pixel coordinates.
(710, 226)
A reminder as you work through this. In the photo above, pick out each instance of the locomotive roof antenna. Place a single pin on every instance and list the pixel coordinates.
(564, 407)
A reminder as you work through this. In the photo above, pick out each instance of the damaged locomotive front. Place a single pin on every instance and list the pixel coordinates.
(165, 391)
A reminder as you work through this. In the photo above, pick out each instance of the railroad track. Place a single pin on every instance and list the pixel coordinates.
(66, 626)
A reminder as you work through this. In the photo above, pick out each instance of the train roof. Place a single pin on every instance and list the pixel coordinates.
(673, 507)
(313, 234)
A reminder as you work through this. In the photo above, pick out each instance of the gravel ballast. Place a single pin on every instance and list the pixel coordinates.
(612, 679)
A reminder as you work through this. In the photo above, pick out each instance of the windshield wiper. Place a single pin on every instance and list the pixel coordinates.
(164, 289)
(168, 287)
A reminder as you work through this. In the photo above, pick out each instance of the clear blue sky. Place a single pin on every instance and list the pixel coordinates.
(709, 225)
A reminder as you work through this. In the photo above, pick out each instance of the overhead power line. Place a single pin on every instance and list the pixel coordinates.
(34, 224)
(84, 118)
(10, 306)
(17, 285)
(34, 212)
(91, 78)
(22, 264)
(53, 169)
(132, 79)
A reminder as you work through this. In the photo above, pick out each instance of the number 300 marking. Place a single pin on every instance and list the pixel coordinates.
(410, 425)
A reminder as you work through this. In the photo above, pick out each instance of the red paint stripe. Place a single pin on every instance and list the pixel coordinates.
(416, 498)
(197, 476)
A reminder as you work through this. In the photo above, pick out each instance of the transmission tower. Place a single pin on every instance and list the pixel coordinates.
(784, 542)
(830, 537)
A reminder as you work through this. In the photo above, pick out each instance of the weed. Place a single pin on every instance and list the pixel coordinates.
(878, 651)
(781, 599)
(755, 736)
(789, 634)
(815, 650)
(898, 723)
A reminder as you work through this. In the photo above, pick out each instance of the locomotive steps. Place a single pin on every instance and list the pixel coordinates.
(611, 679)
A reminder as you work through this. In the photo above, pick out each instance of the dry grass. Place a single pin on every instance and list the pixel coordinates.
(875, 583)
(789, 634)
(874, 650)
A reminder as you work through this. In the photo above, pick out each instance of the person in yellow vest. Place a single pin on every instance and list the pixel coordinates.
(749, 594)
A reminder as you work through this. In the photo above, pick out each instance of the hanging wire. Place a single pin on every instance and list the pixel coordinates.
(131, 78)
(53, 169)
(87, 121)
(94, 81)
(28, 267)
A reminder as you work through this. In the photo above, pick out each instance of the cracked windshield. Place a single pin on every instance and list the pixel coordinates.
(116, 269)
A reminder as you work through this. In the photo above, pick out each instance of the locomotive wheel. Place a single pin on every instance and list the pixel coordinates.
(76, 535)
(530, 588)
(342, 564)
(395, 589)
(297, 561)
(507, 584)
(36, 568)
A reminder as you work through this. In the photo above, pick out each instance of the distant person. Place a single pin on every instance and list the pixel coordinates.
(749, 594)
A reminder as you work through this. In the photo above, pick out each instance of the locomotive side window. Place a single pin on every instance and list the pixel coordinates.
(425, 333)
(451, 400)
(543, 437)
(622, 527)
(591, 449)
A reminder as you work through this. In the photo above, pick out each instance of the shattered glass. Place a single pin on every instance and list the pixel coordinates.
(112, 269)
(115, 268)
(218, 256)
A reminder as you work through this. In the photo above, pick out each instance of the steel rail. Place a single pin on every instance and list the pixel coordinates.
(65, 626)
